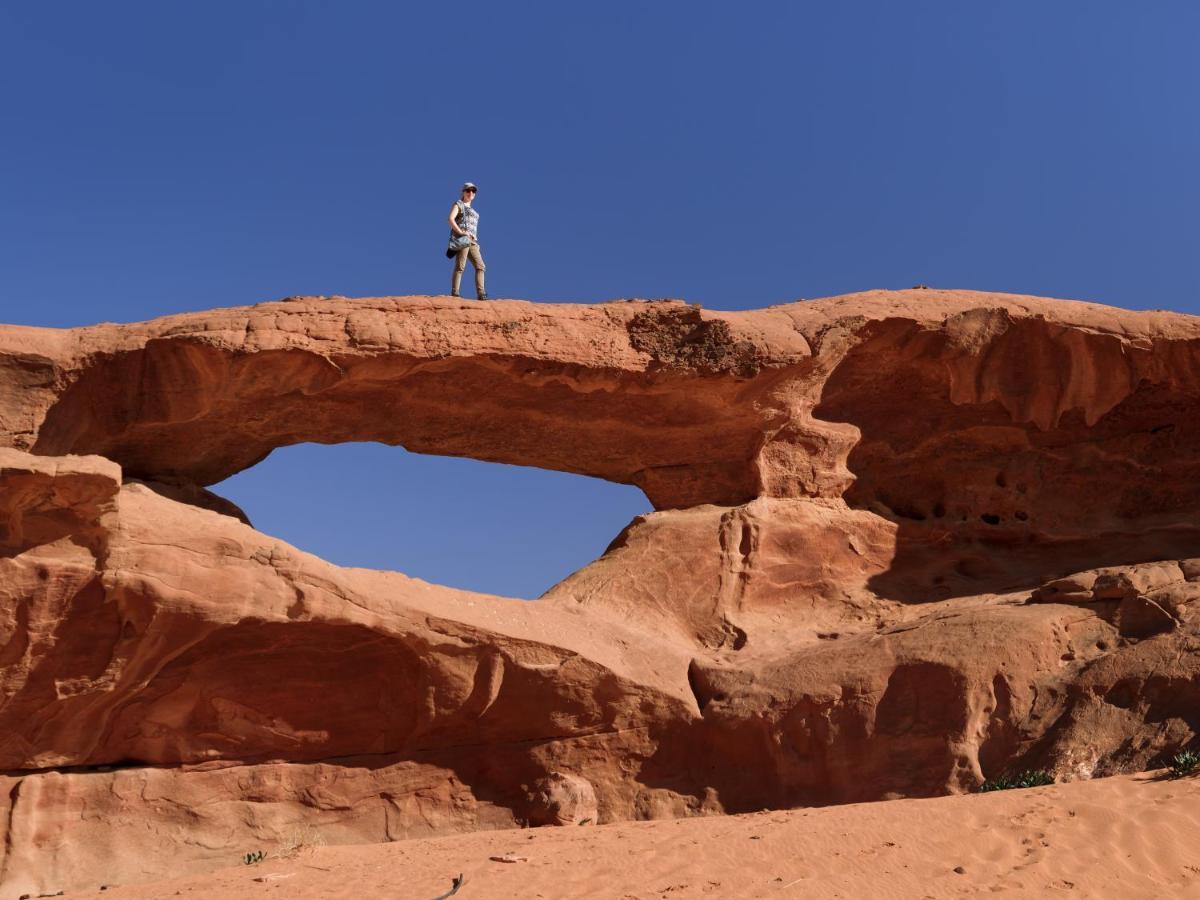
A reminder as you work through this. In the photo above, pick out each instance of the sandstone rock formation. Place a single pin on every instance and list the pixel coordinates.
(902, 542)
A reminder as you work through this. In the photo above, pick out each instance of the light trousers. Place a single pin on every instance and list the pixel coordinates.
(460, 263)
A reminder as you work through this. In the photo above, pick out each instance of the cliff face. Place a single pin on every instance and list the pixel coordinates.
(902, 542)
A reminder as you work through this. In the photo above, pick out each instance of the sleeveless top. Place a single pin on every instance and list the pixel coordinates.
(467, 219)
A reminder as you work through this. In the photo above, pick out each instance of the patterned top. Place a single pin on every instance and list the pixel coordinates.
(467, 219)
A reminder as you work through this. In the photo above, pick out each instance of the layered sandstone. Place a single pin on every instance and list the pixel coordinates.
(902, 542)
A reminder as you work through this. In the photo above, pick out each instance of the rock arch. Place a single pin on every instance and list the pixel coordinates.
(767, 636)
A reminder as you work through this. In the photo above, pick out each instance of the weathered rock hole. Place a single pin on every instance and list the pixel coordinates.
(747, 542)
(501, 529)
(298, 608)
(701, 686)
(990, 518)
(973, 567)
(905, 511)
(1124, 694)
(126, 762)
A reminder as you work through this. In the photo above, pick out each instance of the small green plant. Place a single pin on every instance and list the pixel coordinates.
(1027, 779)
(256, 857)
(1184, 763)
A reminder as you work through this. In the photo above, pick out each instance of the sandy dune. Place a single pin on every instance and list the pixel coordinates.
(1128, 837)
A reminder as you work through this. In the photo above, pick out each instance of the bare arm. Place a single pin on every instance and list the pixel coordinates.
(453, 223)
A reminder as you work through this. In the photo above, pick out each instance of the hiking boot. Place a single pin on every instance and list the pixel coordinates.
(454, 294)
(481, 296)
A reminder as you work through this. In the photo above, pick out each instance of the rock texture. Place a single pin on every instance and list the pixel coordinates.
(902, 542)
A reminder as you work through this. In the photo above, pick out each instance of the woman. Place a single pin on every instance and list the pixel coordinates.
(464, 223)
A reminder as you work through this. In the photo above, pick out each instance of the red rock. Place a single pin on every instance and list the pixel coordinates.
(45, 499)
(1190, 569)
(1136, 580)
(855, 499)
(563, 799)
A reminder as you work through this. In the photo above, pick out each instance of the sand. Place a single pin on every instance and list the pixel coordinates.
(1129, 837)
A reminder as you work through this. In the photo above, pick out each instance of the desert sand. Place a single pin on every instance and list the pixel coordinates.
(1127, 837)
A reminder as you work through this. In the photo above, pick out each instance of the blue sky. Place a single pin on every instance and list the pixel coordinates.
(160, 157)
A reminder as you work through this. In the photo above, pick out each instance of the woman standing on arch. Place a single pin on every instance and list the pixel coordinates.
(464, 233)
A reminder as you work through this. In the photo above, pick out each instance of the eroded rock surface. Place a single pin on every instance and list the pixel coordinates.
(902, 542)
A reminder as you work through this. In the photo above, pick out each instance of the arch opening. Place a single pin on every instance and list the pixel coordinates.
(500, 529)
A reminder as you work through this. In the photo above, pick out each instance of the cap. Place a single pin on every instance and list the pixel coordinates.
(469, 187)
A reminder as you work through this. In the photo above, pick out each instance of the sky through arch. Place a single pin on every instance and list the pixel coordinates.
(490, 527)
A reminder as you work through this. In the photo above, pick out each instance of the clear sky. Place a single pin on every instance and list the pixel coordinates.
(158, 157)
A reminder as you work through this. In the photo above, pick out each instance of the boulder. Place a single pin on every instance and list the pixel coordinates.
(563, 799)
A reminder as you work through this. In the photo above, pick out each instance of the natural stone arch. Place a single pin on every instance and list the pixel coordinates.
(655, 395)
(693, 407)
